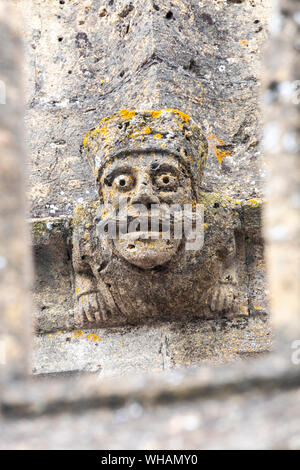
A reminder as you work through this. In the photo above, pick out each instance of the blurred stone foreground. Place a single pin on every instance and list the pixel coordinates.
(251, 403)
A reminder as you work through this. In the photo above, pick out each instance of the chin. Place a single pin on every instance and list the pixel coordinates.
(146, 253)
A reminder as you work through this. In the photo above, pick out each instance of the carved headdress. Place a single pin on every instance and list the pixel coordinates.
(165, 131)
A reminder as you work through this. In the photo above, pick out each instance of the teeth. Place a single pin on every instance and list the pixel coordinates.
(132, 236)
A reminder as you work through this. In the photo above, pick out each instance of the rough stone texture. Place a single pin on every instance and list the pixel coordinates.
(203, 59)
(87, 59)
(51, 240)
(282, 148)
(252, 404)
(146, 165)
(52, 244)
(120, 351)
(15, 273)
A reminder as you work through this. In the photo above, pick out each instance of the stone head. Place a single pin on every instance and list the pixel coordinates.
(144, 162)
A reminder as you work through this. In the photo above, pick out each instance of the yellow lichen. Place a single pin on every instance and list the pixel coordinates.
(157, 136)
(254, 202)
(94, 337)
(155, 114)
(183, 116)
(86, 139)
(125, 114)
(215, 142)
(77, 334)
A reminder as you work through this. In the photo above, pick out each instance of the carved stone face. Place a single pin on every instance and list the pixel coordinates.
(137, 184)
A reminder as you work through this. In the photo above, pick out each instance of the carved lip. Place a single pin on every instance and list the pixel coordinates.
(145, 225)
(144, 236)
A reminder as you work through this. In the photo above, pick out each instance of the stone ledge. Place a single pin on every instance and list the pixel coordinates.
(149, 348)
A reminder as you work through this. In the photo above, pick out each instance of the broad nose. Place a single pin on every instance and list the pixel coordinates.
(145, 194)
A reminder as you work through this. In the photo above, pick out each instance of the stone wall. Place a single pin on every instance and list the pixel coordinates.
(250, 405)
(88, 59)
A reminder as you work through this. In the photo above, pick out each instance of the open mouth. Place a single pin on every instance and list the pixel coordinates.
(145, 228)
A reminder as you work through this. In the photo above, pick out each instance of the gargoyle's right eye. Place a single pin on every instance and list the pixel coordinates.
(124, 182)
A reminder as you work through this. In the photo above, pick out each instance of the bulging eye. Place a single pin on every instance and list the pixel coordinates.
(124, 182)
(166, 182)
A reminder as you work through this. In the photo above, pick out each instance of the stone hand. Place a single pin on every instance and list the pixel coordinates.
(222, 298)
(89, 308)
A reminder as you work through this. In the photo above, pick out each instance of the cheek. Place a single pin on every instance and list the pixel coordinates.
(183, 195)
(115, 198)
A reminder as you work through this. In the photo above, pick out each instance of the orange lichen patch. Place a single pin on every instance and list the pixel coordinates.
(183, 116)
(155, 114)
(125, 114)
(86, 236)
(94, 337)
(256, 307)
(243, 42)
(220, 155)
(215, 143)
(237, 202)
(77, 290)
(137, 133)
(77, 334)
(157, 136)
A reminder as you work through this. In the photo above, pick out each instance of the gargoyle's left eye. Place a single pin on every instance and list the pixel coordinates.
(124, 182)
(166, 182)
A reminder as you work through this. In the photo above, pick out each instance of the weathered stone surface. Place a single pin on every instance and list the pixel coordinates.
(51, 240)
(204, 60)
(87, 59)
(53, 253)
(148, 167)
(122, 351)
